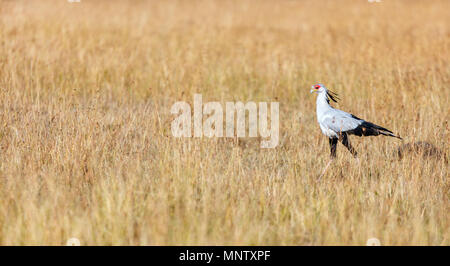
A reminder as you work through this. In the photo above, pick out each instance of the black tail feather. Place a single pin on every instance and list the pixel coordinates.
(370, 129)
(371, 125)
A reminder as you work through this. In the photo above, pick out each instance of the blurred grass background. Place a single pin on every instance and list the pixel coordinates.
(86, 148)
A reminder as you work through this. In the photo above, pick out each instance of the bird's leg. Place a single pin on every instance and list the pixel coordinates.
(333, 144)
(346, 143)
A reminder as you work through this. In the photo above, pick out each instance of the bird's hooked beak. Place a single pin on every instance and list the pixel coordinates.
(313, 89)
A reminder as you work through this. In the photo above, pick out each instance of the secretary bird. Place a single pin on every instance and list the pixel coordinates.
(337, 124)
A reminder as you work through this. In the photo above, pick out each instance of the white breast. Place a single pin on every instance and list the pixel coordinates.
(327, 132)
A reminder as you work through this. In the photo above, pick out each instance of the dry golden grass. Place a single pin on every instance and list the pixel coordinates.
(87, 152)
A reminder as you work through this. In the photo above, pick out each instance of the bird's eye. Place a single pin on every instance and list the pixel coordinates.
(317, 87)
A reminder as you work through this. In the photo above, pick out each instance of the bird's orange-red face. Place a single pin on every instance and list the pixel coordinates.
(317, 88)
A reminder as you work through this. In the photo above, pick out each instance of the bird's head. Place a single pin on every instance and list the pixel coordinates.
(319, 88)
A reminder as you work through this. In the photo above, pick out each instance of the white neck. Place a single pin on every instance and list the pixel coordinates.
(322, 104)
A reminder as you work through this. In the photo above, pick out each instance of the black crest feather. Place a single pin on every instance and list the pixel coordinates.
(333, 96)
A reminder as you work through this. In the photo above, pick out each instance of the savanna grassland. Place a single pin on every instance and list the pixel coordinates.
(86, 148)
